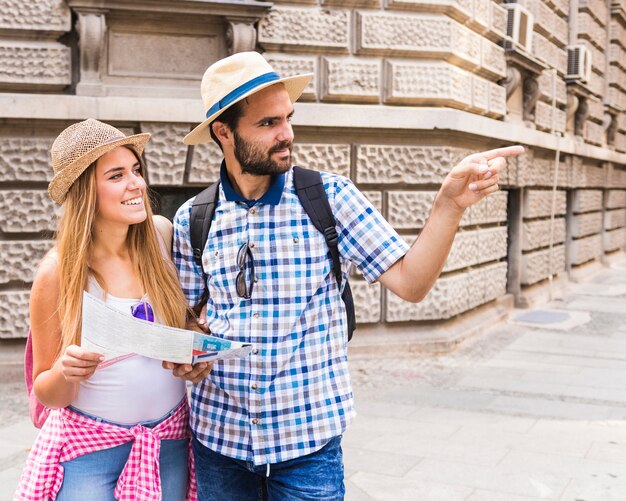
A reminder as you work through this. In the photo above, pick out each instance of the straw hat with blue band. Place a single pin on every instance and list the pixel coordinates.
(234, 78)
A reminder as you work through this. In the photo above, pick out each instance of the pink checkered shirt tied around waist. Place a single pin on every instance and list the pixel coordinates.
(67, 435)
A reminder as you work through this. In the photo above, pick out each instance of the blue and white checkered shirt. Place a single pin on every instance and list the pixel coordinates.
(293, 393)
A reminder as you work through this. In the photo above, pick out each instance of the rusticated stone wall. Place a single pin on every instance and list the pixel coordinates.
(440, 70)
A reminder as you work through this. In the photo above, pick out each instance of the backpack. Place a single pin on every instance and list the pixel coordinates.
(38, 411)
(312, 196)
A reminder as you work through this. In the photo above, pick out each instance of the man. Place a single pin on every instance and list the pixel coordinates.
(270, 425)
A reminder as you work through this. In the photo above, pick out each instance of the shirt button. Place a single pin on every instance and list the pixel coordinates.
(217, 253)
(252, 211)
(255, 351)
(255, 315)
(295, 240)
(255, 421)
(255, 386)
(251, 245)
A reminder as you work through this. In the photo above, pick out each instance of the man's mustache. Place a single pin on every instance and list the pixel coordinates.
(281, 146)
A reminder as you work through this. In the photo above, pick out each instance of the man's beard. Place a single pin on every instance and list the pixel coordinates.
(257, 162)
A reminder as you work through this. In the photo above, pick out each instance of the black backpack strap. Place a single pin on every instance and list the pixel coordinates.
(202, 210)
(312, 195)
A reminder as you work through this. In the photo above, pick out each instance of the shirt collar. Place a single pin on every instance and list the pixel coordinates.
(271, 196)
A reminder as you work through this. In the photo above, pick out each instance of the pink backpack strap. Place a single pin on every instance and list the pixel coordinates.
(38, 411)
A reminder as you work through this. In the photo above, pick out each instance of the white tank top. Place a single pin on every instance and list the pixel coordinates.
(131, 390)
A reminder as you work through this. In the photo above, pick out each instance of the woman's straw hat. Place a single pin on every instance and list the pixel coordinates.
(80, 145)
(234, 78)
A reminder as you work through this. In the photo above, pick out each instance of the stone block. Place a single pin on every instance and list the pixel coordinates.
(586, 201)
(166, 154)
(551, 54)
(448, 297)
(545, 88)
(597, 9)
(497, 100)
(617, 178)
(28, 64)
(451, 295)
(589, 29)
(587, 175)
(25, 158)
(493, 279)
(205, 163)
(14, 317)
(615, 239)
(533, 170)
(464, 251)
(492, 244)
(614, 219)
(376, 198)
(324, 157)
(617, 54)
(615, 199)
(461, 10)
(585, 249)
(586, 224)
(536, 266)
(287, 66)
(19, 259)
(382, 164)
(561, 7)
(543, 117)
(367, 300)
(480, 94)
(491, 209)
(481, 14)
(616, 77)
(492, 59)
(547, 22)
(417, 35)
(536, 234)
(35, 15)
(596, 110)
(303, 29)
(428, 83)
(594, 133)
(617, 98)
(596, 83)
(349, 3)
(351, 79)
(538, 203)
(409, 209)
(26, 211)
(498, 21)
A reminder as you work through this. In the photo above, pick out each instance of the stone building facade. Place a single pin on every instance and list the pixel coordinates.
(403, 89)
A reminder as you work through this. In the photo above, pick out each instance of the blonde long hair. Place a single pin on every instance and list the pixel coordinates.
(74, 243)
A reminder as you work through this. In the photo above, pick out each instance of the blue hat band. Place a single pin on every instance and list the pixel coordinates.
(235, 94)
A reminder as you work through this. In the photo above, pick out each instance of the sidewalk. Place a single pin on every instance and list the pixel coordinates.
(523, 412)
(527, 410)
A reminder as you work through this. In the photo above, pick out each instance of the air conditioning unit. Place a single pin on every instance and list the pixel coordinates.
(578, 63)
(519, 26)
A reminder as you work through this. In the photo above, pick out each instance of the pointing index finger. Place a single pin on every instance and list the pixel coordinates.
(508, 151)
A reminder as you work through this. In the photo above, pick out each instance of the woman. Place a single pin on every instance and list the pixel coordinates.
(92, 447)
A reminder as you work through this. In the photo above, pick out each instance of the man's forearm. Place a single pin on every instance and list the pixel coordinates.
(414, 275)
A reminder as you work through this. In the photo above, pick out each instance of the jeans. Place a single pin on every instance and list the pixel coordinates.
(317, 476)
(93, 477)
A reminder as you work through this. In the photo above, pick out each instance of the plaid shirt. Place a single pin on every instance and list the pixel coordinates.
(67, 435)
(293, 393)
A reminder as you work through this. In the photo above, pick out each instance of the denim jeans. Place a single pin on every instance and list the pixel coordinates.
(317, 476)
(93, 477)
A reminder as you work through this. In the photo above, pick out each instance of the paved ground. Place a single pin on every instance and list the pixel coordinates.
(524, 411)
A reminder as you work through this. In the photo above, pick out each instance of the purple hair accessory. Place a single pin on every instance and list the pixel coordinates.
(143, 311)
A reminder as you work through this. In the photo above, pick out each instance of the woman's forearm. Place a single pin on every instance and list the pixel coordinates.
(53, 390)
